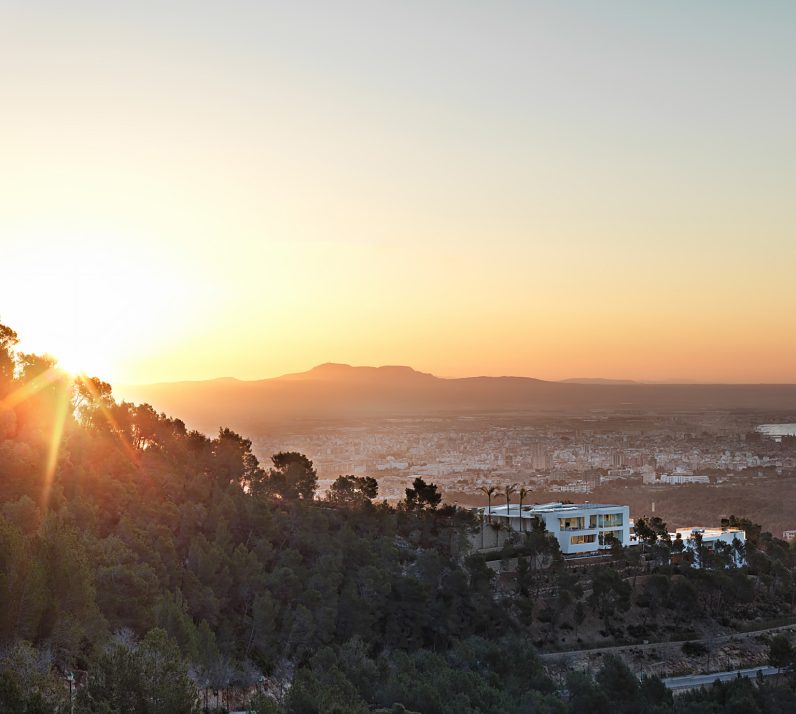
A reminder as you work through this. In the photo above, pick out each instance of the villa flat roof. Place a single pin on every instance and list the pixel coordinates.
(534, 508)
(706, 532)
(573, 506)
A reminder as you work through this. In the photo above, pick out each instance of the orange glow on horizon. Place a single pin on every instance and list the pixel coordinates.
(544, 190)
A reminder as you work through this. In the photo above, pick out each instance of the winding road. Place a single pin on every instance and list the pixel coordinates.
(691, 681)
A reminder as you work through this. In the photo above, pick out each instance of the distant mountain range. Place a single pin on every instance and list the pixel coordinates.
(340, 391)
(598, 380)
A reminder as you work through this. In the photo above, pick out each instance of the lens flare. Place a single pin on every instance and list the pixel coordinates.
(54, 447)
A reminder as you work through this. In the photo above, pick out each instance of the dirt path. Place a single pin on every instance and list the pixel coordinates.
(720, 639)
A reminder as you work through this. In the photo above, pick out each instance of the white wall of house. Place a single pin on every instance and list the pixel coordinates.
(583, 528)
(711, 536)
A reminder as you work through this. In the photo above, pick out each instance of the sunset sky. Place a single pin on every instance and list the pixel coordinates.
(196, 189)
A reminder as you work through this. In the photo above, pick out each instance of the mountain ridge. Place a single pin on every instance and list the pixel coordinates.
(334, 391)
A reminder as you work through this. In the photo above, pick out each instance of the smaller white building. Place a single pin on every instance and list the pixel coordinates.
(676, 479)
(579, 528)
(733, 538)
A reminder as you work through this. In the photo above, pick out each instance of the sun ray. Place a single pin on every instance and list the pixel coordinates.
(54, 447)
(30, 388)
(46, 379)
(128, 449)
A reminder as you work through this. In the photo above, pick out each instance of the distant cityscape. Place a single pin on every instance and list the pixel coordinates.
(563, 455)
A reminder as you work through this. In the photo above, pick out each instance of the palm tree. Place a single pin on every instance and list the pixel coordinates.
(523, 492)
(489, 492)
(507, 492)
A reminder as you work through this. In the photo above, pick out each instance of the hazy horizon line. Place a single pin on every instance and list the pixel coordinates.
(608, 381)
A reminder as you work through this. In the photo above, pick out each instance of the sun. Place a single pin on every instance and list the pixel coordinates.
(95, 300)
(82, 357)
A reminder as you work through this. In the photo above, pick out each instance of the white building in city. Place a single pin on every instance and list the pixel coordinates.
(676, 479)
(579, 528)
(734, 538)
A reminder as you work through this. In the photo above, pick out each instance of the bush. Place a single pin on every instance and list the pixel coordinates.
(694, 649)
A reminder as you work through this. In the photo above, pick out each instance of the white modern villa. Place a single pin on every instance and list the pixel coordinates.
(585, 528)
(579, 528)
(734, 538)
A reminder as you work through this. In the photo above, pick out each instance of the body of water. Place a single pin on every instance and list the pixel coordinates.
(777, 431)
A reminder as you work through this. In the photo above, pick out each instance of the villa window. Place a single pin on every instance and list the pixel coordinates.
(572, 523)
(606, 537)
(609, 520)
(580, 539)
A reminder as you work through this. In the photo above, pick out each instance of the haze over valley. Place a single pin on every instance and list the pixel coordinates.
(688, 451)
(339, 392)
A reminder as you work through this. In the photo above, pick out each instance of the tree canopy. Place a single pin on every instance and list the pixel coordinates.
(158, 567)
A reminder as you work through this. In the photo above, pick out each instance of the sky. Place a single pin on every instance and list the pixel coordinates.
(191, 190)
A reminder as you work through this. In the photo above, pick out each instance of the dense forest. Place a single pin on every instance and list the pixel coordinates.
(147, 568)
